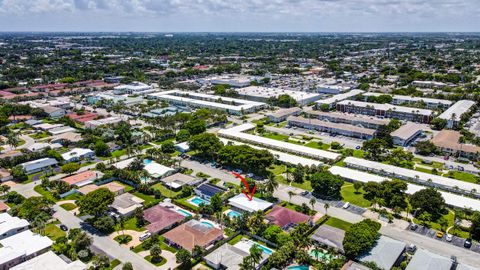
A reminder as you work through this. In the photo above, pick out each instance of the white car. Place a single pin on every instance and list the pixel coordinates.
(449, 237)
(144, 236)
(346, 205)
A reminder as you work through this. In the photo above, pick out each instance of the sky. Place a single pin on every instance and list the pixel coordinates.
(241, 15)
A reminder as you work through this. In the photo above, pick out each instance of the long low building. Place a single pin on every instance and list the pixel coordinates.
(448, 142)
(198, 100)
(263, 94)
(349, 118)
(426, 179)
(334, 128)
(332, 101)
(406, 134)
(451, 199)
(237, 133)
(454, 114)
(386, 111)
(38, 165)
(430, 103)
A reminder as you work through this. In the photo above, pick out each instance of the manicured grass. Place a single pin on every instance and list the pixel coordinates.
(147, 198)
(123, 238)
(421, 169)
(349, 195)
(279, 137)
(202, 175)
(235, 240)
(312, 144)
(40, 135)
(305, 185)
(53, 232)
(277, 169)
(128, 188)
(165, 191)
(450, 219)
(68, 206)
(45, 193)
(294, 207)
(160, 262)
(164, 246)
(358, 153)
(463, 176)
(115, 263)
(119, 153)
(338, 223)
(129, 224)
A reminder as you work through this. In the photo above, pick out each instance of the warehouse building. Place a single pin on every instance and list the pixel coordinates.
(386, 111)
(333, 128)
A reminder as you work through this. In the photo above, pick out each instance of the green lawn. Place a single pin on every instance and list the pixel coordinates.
(165, 191)
(349, 195)
(312, 144)
(279, 137)
(147, 198)
(68, 206)
(40, 135)
(450, 218)
(421, 169)
(39, 189)
(358, 153)
(130, 224)
(235, 240)
(128, 188)
(119, 153)
(463, 176)
(338, 223)
(123, 238)
(163, 245)
(160, 262)
(53, 232)
(305, 185)
(277, 169)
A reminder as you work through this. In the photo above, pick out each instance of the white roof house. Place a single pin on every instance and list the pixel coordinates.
(441, 182)
(237, 133)
(11, 225)
(281, 156)
(77, 154)
(60, 130)
(50, 261)
(157, 170)
(126, 203)
(385, 252)
(21, 245)
(41, 145)
(38, 165)
(105, 121)
(450, 198)
(243, 203)
(426, 260)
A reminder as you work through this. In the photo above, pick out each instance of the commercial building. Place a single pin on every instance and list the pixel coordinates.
(134, 88)
(386, 111)
(199, 100)
(11, 225)
(333, 88)
(193, 233)
(385, 253)
(454, 114)
(349, 118)
(50, 261)
(263, 94)
(282, 114)
(232, 80)
(332, 101)
(333, 128)
(21, 247)
(38, 165)
(430, 103)
(78, 154)
(242, 203)
(103, 122)
(406, 134)
(425, 179)
(237, 133)
(448, 142)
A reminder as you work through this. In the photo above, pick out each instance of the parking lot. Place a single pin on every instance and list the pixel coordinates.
(457, 241)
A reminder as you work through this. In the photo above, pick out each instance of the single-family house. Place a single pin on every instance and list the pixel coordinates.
(193, 233)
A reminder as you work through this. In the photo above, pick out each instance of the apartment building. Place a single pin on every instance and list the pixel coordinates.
(333, 128)
(349, 118)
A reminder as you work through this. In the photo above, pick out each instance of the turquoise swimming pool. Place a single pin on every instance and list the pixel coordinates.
(208, 224)
(147, 161)
(265, 249)
(298, 267)
(233, 214)
(183, 212)
(197, 201)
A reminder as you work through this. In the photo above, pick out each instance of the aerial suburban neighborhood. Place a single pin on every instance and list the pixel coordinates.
(240, 151)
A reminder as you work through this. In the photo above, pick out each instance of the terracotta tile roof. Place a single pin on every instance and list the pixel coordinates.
(80, 177)
(193, 233)
(160, 218)
(282, 216)
(112, 186)
(449, 139)
(3, 207)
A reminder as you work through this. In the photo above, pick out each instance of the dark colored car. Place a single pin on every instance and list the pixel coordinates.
(468, 243)
(413, 227)
(63, 227)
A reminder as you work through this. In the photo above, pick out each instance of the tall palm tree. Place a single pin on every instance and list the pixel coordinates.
(312, 203)
(290, 195)
(256, 254)
(12, 140)
(326, 206)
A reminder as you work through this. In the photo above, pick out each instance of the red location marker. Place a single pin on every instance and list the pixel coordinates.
(249, 193)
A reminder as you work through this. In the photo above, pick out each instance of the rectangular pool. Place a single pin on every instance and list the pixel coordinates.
(197, 201)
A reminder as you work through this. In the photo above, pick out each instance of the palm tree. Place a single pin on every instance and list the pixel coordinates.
(256, 254)
(290, 195)
(326, 206)
(312, 203)
(271, 185)
(12, 140)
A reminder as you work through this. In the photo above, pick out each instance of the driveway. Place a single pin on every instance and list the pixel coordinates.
(134, 234)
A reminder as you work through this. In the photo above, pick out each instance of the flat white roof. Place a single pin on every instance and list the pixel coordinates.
(281, 156)
(49, 261)
(157, 170)
(459, 108)
(268, 92)
(340, 97)
(450, 198)
(22, 244)
(414, 99)
(8, 223)
(76, 153)
(237, 133)
(421, 176)
(386, 107)
(241, 201)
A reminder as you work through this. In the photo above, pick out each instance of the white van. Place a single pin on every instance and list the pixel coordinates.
(346, 205)
(144, 236)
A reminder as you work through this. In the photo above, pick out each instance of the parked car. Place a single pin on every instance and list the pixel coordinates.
(346, 205)
(358, 147)
(304, 193)
(449, 237)
(440, 234)
(144, 236)
(413, 227)
(411, 248)
(468, 243)
(63, 227)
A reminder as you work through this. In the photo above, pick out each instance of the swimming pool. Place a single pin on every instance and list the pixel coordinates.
(147, 161)
(298, 267)
(233, 214)
(208, 224)
(197, 201)
(183, 212)
(264, 249)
